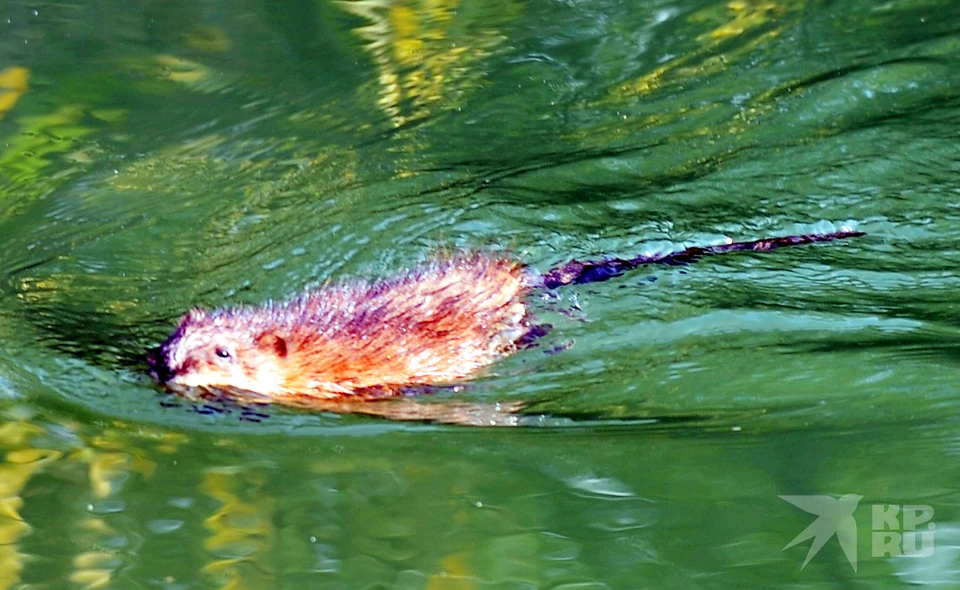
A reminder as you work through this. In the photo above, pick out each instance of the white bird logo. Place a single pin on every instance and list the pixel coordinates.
(835, 518)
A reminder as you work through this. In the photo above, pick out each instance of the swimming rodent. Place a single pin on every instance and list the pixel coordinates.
(340, 345)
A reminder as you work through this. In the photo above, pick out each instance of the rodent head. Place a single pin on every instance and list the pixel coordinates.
(218, 351)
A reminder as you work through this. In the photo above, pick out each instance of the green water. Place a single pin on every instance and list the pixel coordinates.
(158, 156)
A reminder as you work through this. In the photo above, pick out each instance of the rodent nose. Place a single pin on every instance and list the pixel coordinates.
(157, 362)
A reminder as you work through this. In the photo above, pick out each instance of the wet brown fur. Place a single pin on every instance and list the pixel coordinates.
(434, 324)
(337, 347)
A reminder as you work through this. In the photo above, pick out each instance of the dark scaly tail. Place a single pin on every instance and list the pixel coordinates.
(595, 271)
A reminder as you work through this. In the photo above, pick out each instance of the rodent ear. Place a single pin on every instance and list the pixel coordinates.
(273, 343)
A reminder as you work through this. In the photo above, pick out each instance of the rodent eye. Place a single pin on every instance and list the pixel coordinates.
(222, 353)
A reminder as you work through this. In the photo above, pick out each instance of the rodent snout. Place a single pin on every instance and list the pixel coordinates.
(156, 360)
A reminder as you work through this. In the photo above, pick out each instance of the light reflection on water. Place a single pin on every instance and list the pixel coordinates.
(575, 506)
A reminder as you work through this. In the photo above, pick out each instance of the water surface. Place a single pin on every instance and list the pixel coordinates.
(158, 157)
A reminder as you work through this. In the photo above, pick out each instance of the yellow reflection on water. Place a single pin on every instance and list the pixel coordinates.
(110, 458)
(739, 28)
(13, 83)
(424, 56)
(20, 464)
(242, 531)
